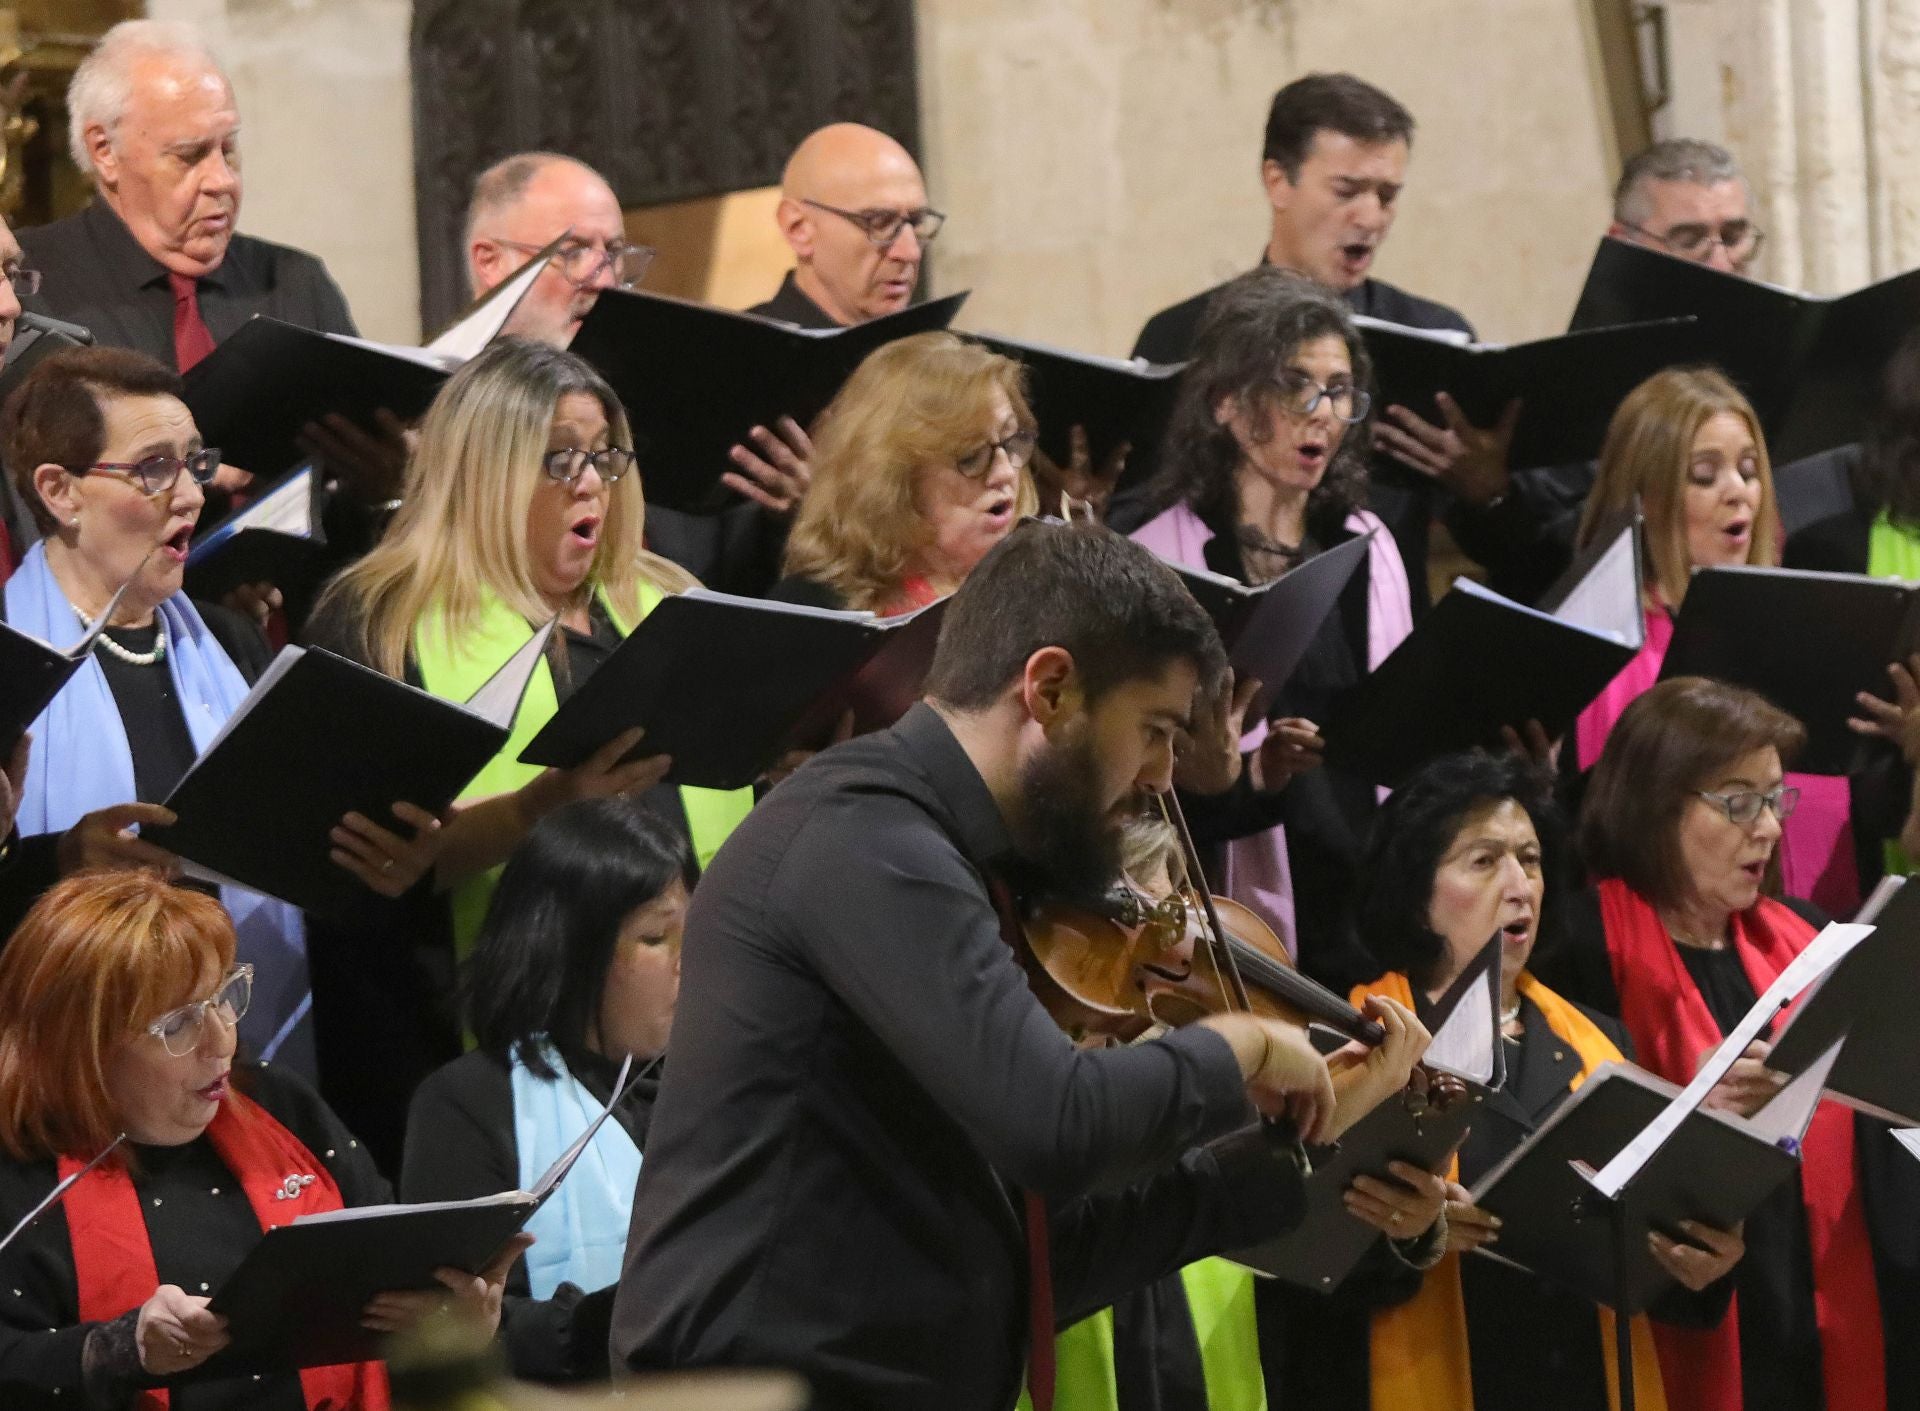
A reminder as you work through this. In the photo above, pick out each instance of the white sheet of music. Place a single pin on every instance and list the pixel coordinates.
(1821, 954)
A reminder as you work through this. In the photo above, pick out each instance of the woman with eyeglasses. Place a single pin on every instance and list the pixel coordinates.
(1688, 447)
(522, 504)
(119, 1002)
(576, 970)
(919, 468)
(1681, 828)
(1264, 467)
(106, 455)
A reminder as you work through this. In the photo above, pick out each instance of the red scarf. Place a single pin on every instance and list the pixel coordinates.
(113, 1258)
(1671, 1027)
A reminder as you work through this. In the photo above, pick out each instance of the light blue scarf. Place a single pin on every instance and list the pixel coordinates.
(81, 762)
(580, 1234)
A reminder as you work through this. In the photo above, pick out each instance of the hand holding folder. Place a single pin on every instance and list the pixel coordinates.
(298, 1298)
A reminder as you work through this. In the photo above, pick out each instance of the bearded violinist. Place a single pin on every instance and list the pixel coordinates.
(874, 1159)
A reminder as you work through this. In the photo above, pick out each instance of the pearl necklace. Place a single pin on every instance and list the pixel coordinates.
(1509, 1016)
(131, 658)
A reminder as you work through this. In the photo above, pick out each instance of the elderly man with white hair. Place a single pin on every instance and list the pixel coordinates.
(154, 262)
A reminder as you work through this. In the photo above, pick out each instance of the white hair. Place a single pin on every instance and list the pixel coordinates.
(102, 87)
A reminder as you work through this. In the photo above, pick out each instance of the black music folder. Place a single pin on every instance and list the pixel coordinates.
(1811, 364)
(1117, 400)
(1268, 628)
(33, 672)
(36, 336)
(254, 392)
(319, 736)
(276, 539)
(1479, 661)
(295, 1300)
(1715, 1168)
(727, 684)
(1865, 999)
(696, 379)
(1570, 385)
(1806, 641)
(1419, 1128)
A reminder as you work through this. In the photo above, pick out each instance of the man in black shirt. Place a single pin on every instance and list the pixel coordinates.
(853, 206)
(864, 1096)
(1333, 164)
(154, 262)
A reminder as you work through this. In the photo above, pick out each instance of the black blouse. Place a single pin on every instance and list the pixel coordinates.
(461, 1144)
(1779, 1336)
(200, 1226)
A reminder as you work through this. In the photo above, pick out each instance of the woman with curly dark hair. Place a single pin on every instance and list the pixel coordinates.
(1264, 467)
(1472, 848)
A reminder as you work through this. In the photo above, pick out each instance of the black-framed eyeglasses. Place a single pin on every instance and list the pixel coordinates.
(25, 282)
(1743, 806)
(183, 1030)
(1301, 395)
(569, 463)
(1018, 447)
(580, 264)
(883, 227)
(1741, 239)
(155, 474)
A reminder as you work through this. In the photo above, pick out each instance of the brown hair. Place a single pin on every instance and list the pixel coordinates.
(916, 402)
(98, 958)
(1669, 742)
(56, 417)
(1648, 450)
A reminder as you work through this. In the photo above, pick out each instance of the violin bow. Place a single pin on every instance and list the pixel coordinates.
(1196, 881)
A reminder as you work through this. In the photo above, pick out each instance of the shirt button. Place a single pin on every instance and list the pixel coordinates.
(1559, 1054)
(216, 1190)
(329, 1153)
(203, 1288)
(156, 1200)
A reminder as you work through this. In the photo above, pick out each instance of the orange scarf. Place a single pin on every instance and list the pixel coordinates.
(1419, 1348)
(1671, 1027)
(113, 1258)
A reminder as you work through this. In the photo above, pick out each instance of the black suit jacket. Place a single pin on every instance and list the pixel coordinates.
(94, 272)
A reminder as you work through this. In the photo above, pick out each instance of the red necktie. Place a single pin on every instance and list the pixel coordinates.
(1040, 1365)
(192, 339)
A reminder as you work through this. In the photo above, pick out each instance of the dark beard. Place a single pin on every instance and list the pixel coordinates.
(1063, 830)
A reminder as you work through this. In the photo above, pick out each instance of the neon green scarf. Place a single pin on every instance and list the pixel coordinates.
(456, 671)
(1220, 1301)
(1893, 552)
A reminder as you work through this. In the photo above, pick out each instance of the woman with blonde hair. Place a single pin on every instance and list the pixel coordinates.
(920, 466)
(521, 505)
(1689, 445)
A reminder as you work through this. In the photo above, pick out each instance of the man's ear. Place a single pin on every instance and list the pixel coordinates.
(484, 266)
(796, 225)
(1050, 686)
(1225, 409)
(1279, 185)
(106, 162)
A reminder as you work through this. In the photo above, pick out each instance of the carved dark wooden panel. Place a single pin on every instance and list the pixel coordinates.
(670, 99)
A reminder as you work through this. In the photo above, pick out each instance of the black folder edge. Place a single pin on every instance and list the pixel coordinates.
(205, 873)
(1827, 741)
(1866, 993)
(548, 746)
(208, 574)
(58, 674)
(1152, 388)
(1329, 1243)
(234, 1293)
(1589, 1205)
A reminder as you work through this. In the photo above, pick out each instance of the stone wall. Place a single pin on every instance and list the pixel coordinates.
(1100, 158)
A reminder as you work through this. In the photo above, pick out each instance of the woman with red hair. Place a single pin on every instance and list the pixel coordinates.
(119, 1000)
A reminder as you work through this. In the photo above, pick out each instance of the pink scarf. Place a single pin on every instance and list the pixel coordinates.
(1257, 871)
(1816, 851)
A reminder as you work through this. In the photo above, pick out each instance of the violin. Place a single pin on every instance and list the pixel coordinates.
(1123, 965)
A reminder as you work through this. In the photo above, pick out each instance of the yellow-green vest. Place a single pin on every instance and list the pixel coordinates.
(455, 673)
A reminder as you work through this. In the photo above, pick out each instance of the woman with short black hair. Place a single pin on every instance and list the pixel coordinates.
(576, 969)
